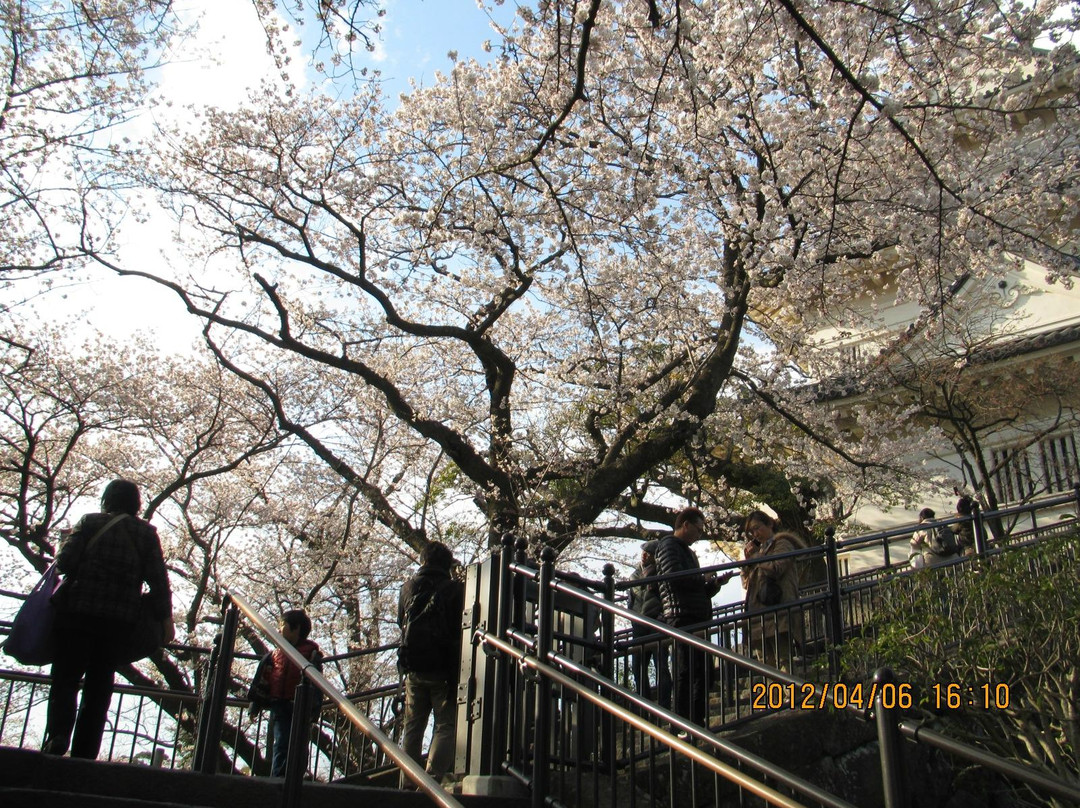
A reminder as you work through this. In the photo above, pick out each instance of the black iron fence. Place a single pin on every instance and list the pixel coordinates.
(531, 623)
(160, 726)
(570, 696)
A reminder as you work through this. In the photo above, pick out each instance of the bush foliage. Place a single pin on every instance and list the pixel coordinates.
(991, 651)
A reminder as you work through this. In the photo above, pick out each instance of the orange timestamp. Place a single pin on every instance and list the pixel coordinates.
(822, 695)
(863, 696)
(957, 696)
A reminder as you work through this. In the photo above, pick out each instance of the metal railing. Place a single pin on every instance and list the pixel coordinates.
(159, 726)
(206, 752)
(550, 656)
(146, 725)
(566, 674)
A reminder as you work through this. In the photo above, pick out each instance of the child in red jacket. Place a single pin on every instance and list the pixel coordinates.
(277, 680)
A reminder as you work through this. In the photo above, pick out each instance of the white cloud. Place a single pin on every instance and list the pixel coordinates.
(226, 58)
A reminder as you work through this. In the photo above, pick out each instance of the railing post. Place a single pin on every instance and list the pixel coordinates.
(979, 527)
(496, 747)
(299, 735)
(545, 627)
(834, 627)
(205, 687)
(889, 740)
(212, 718)
(520, 719)
(607, 660)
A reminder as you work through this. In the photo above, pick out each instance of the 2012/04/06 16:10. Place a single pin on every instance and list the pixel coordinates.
(820, 695)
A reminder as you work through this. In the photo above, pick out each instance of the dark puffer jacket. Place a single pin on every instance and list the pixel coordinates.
(282, 676)
(687, 599)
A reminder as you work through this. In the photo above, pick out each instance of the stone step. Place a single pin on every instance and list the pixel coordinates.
(30, 779)
(37, 798)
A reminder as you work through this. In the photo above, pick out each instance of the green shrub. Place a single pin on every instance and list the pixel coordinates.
(991, 650)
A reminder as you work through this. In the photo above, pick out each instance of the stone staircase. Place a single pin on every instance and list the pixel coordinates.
(30, 779)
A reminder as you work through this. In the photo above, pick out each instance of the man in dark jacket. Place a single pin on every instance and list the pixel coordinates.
(430, 609)
(687, 601)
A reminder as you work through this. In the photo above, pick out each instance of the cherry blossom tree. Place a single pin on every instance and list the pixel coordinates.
(49, 410)
(74, 417)
(72, 72)
(550, 269)
(239, 505)
(344, 29)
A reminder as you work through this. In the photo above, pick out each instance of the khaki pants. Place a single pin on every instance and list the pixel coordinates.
(427, 694)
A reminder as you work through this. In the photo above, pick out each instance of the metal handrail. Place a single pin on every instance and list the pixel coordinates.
(888, 724)
(424, 781)
(684, 634)
(799, 554)
(915, 731)
(664, 737)
(870, 539)
(733, 750)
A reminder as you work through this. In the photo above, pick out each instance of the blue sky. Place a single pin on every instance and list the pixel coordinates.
(418, 34)
(228, 55)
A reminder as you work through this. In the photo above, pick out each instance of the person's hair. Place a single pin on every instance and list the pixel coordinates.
(965, 505)
(762, 518)
(436, 554)
(298, 619)
(121, 496)
(688, 515)
(926, 513)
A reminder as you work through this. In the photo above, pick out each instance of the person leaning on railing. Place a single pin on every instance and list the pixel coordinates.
(773, 638)
(645, 600)
(687, 601)
(931, 546)
(275, 682)
(965, 530)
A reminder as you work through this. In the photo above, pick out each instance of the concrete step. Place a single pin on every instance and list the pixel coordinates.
(35, 798)
(30, 779)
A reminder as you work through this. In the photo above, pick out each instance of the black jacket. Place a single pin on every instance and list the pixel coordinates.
(430, 608)
(107, 568)
(686, 599)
